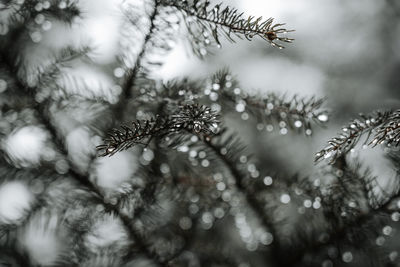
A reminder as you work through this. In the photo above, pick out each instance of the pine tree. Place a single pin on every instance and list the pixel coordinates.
(104, 165)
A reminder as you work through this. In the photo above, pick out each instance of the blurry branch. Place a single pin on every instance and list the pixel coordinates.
(17, 13)
(349, 209)
(66, 55)
(222, 89)
(379, 128)
(390, 200)
(229, 149)
(134, 235)
(193, 118)
(201, 17)
(44, 119)
(294, 112)
(12, 257)
(64, 10)
(132, 73)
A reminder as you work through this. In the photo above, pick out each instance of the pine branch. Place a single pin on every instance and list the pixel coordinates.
(18, 13)
(84, 181)
(228, 21)
(345, 202)
(223, 93)
(294, 113)
(229, 152)
(132, 73)
(127, 222)
(379, 128)
(194, 118)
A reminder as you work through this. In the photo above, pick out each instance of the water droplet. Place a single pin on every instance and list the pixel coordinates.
(185, 223)
(266, 238)
(221, 186)
(203, 51)
(323, 117)
(395, 216)
(216, 86)
(213, 96)
(240, 107)
(260, 126)
(316, 205)
(205, 163)
(46, 4)
(36, 36)
(393, 255)
(46, 25)
(268, 180)
(327, 263)
(219, 213)
(39, 7)
(298, 124)
(285, 198)
(148, 155)
(269, 128)
(39, 19)
(207, 217)
(347, 256)
(387, 230)
(119, 72)
(307, 203)
(380, 240)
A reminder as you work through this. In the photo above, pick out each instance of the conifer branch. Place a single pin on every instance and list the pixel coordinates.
(379, 128)
(229, 21)
(194, 118)
(298, 113)
(348, 214)
(132, 73)
(294, 113)
(17, 13)
(84, 181)
(139, 244)
(229, 151)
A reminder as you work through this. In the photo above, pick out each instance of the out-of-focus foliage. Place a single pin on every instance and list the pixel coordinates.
(212, 172)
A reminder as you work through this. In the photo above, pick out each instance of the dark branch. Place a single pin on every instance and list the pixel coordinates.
(193, 118)
(215, 19)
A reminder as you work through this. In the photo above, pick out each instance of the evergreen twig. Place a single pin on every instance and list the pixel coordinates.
(230, 21)
(380, 127)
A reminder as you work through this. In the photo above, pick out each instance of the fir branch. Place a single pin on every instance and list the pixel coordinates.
(229, 149)
(17, 13)
(380, 128)
(44, 119)
(348, 216)
(127, 222)
(228, 21)
(224, 92)
(193, 118)
(132, 73)
(294, 113)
